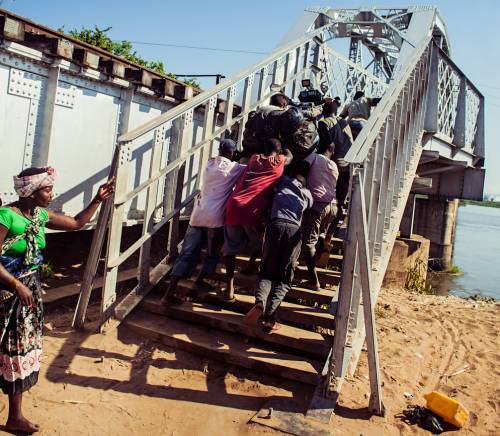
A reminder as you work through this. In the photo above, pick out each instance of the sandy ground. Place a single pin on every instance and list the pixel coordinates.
(95, 384)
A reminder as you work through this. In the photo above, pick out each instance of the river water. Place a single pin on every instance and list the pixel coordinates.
(477, 254)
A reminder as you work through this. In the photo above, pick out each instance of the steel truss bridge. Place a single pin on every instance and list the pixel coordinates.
(425, 136)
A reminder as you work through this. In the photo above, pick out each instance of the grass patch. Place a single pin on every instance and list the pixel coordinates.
(416, 281)
(47, 271)
(454, 269)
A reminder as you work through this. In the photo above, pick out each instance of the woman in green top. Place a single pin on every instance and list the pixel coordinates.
(22, 237)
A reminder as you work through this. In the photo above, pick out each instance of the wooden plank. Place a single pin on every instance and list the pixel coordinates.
(296, 340)
(326, 276)
(223, 346)
(73, 289)
(286, 415)
(247, 284)
(130, 301)
(290, 313)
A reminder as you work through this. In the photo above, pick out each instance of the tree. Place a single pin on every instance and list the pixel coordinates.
(99, 38)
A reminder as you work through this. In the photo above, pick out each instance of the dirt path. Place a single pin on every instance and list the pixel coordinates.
(107, 385)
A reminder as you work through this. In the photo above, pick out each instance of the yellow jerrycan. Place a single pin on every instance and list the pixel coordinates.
(447, 408)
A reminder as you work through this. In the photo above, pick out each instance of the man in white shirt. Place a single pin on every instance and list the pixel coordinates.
(359, 110)
(207, 220)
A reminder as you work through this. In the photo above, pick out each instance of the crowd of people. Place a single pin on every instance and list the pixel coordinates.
(275, 199)
(281, 197)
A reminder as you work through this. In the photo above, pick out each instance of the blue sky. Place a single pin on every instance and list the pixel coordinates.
(259, 25)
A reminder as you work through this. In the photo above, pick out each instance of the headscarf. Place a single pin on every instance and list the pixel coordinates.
(27, 185)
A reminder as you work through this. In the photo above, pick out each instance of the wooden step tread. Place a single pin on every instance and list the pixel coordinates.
(299, 341)
(326, 276)
(248, 283)
(289, 313)
(222, 345)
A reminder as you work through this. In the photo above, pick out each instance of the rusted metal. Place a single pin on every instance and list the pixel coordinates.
(57, 44)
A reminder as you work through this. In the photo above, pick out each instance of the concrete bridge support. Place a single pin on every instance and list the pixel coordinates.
(436, 220)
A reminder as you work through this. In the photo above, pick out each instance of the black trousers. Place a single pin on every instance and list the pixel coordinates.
(281, 250)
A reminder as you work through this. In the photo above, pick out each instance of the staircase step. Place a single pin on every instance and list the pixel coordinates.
(326, 276)
(224, 346)
(248, 283)
(293, 339)
(289, 313)
(337, 244)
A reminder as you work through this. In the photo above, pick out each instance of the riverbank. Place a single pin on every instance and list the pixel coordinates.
(110, 384)
(483, 203)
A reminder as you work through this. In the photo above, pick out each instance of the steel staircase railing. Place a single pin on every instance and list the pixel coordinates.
(383, 161)
(181, 141)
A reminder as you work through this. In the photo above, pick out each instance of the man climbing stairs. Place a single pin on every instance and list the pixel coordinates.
(213, 328)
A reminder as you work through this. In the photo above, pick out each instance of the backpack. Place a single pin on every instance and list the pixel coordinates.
(259, 127)
(302, 142)
(340, 135)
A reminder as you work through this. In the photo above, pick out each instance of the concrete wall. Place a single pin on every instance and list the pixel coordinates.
(436, 220)
(406, 255)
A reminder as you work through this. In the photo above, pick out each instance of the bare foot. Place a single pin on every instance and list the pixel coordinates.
(21, 425)
(253, 315)
(271, 326)
(313, 286)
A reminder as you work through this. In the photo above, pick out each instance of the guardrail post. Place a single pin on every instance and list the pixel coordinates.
(95, 252)
(261, 90)
(115, 229)
(328, 390)
(431, 115)
(182, 131)
(369, 298)
(479, 136)
(296, 69)
(151, 201)
(208, 130)
(245, 104)
(460, 119)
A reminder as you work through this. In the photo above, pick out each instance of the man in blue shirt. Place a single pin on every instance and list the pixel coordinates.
(281, 250)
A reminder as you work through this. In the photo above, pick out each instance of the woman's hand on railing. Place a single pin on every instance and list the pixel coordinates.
(105, 190)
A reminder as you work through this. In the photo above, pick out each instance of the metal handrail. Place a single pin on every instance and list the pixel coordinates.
(212, 92)
(361, 146)
(384, 160)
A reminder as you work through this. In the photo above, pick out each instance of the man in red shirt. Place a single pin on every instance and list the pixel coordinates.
(245, 208)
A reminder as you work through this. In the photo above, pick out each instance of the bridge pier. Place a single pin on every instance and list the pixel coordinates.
(436, 220)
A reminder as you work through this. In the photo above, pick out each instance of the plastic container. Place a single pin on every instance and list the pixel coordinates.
(447, 408)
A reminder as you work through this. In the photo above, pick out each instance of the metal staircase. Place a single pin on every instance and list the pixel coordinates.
(429, 113)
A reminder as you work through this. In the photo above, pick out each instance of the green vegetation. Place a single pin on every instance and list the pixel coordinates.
(416, 282)
(99, 38)
(483, 203)
(454, 269)
(47, 270)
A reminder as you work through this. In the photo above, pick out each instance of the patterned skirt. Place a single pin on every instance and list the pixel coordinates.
(21, 339)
